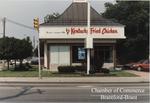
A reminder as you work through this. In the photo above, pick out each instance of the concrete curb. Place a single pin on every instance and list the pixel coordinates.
(71, 82)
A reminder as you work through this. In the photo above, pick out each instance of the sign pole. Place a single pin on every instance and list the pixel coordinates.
(39, 60)
(36, 26)
(88, 61)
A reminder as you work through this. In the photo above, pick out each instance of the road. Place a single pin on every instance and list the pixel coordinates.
(74, 93)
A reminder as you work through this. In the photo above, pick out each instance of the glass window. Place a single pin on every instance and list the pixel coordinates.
(105, 52)
(78, 54)
(108, 55)
(81, 54)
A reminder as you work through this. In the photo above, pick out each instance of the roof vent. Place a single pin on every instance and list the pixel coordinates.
(80, 1)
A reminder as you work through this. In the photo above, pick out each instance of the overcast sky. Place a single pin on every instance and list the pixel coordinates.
(23, 11)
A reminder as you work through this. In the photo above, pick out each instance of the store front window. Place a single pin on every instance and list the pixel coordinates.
(100, 53)
(104, 52)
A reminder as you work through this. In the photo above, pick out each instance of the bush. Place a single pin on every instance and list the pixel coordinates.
(28, 65)
(80, 68)
(105, 71)
(23, 67)
(34, 62)
(66, 69)
(71, 69)
(92, 70)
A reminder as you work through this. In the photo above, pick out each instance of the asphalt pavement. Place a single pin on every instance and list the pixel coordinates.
(74, 93)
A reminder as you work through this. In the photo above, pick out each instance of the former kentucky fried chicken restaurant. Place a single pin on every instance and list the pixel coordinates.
(67, 38)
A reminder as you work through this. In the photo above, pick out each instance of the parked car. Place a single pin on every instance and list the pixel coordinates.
(35, 61)
(142, 65)
(12, 62)
(128, 66)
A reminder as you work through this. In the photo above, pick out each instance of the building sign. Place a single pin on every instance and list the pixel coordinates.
(93, 30)
(82, 32)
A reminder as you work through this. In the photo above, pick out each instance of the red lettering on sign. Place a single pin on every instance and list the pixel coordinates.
(93, 30)
(108, 30)
(78, 31)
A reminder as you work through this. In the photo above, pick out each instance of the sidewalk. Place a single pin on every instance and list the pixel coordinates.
(74, 80)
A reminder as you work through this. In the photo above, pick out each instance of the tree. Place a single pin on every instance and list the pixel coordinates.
(50, 17)
(15, 49)
(135, 16)
(6, 48)
(24, 49)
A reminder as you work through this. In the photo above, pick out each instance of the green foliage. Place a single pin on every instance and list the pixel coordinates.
(24, 67)
(66, 69)
(105, 71)
(24, 48)
(135, 16)
(51, 17)
(71, 69)
(15, 49)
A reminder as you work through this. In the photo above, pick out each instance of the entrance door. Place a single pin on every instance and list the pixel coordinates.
(59, 55)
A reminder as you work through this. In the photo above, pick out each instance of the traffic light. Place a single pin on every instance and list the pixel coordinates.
(36, 23)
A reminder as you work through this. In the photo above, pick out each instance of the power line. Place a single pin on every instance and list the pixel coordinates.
(19, 24)
(16, 23)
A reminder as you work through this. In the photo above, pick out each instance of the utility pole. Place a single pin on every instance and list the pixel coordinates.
(4, 28)
(4, 25)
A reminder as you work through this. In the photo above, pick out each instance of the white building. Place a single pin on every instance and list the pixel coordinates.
(64, 38)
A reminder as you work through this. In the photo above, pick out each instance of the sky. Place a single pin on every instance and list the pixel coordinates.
(24, 11)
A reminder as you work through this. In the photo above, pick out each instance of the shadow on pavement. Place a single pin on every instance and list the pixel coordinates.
(23, 92)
